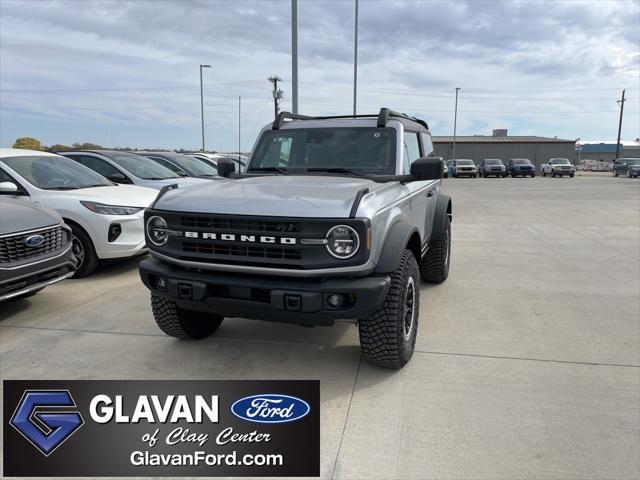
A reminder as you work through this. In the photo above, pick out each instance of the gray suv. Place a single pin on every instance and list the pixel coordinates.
(35, 248)
(334, 218)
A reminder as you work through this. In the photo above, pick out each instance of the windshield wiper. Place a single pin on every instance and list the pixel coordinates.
(335, 170)
(280, 170)
(63, 187)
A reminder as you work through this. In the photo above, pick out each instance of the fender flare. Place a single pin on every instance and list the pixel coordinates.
(396, 241)
(442, 211)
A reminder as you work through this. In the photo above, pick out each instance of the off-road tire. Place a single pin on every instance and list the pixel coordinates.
(383, 337)
(180, 323)
(89, 260)
(434, 265)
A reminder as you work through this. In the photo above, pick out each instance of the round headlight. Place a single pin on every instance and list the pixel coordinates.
(157, 230)
(342, 242)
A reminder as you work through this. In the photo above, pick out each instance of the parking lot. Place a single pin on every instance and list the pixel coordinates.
(527, 362)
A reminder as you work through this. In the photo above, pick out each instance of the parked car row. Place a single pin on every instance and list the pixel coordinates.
(514, 167)
(64, 214)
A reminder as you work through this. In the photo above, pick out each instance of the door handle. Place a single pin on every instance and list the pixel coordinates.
(430, 193)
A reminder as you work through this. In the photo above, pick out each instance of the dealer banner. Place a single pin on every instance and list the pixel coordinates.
(161, 428)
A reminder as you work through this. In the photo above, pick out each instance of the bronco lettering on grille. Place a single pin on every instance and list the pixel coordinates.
(232, 237)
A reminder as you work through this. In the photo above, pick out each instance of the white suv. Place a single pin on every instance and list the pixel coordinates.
(106, 219)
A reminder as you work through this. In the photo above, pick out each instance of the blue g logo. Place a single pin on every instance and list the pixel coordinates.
(39, 419)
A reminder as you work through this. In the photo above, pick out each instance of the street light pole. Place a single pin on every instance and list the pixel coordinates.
(294, 55)
(455, 125)
(355, 62)
(202, 102)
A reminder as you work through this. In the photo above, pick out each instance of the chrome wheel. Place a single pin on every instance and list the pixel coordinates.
(409, 308)
(77, 249)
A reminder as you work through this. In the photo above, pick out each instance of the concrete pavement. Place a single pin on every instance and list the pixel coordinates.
(527, 361)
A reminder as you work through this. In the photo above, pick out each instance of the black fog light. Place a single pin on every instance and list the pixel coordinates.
(115, 229)
(335, 300)
(161, 283)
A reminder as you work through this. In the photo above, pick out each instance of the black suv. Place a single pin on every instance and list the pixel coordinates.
(626, 166)
(521, 166)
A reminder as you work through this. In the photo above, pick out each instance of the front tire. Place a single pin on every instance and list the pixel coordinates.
(615, 173)
(82, 248)
(180, 323)
(388, 336)
(544, 173)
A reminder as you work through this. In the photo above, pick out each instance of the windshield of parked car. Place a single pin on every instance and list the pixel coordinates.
(521, 161)
(141, 167)
(560, 161)
(465, 162)
(492, 161)
(193, 166)
(365, 150)
(55, 173)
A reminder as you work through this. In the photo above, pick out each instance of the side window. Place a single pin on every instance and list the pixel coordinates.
(97, 165)
(410, 151)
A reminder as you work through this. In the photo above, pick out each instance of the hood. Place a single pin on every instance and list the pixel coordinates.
(124, 195)
(271, 195)
(20, 215)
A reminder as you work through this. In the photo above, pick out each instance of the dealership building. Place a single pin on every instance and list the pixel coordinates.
(500, 145)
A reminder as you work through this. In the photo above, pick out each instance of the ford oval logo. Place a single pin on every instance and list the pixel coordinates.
(270, 408)
(34, 241)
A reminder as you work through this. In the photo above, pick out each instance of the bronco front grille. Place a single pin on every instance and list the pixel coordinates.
(242, 251)
(241, 224)
(257, 241)
(13, 248)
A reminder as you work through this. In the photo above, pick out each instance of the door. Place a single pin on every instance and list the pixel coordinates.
(422, 194)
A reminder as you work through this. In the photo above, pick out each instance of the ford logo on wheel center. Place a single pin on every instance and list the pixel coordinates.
(270, 408)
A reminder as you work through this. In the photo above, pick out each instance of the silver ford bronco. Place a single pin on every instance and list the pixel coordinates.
(334, 218)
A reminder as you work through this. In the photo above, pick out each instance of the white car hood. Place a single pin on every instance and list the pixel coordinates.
(125, 195)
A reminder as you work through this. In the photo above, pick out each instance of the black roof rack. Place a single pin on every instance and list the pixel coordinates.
(383, 117)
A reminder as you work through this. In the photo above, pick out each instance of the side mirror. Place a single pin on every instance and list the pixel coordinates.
(118, 178)
(226, 167)
(8, 187)
(427, 168)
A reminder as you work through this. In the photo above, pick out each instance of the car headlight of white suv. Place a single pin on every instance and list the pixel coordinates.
(103, 209)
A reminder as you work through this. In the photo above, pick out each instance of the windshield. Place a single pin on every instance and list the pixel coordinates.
(193, 166)
(465, 162)
(560, 161)
(493, 162)
(141, 167)
(55, 173)
(631, 161)
(521, 161)
(367, 150)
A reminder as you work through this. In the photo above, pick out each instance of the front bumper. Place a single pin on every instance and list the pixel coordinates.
(19, 281)
(130, 242)
(300, 301)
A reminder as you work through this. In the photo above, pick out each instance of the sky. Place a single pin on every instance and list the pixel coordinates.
(126, 73)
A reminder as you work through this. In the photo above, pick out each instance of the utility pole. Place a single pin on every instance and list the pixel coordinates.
(294, 55)
(202, 102)
(277, 94)
(355, 62)
(239, 116)
(455, 125)
(621, 102)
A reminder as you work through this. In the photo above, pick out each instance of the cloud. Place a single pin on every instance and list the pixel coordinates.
(553, 67)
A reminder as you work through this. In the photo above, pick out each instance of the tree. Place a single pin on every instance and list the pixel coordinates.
(87, 146)
(29, 143)
(59, 148)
